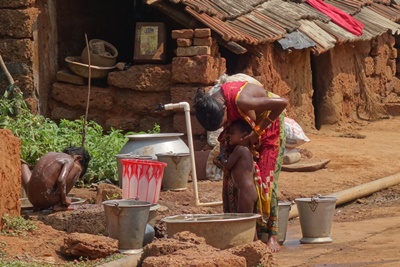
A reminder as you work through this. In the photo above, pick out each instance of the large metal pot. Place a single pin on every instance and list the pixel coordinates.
(152, 144)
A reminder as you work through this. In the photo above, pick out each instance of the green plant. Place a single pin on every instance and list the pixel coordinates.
(40, 135)
(16, 225)
(11, 106)
(3, 245)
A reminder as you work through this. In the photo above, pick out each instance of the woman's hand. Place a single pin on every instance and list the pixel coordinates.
(251, 138)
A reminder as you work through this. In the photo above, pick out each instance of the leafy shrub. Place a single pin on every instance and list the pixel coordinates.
(40, 135)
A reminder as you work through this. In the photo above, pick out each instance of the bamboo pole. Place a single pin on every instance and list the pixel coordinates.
(356, 192)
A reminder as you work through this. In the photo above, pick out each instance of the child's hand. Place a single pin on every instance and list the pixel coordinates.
(221, 160)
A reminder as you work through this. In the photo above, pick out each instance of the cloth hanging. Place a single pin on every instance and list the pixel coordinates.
(338, 16)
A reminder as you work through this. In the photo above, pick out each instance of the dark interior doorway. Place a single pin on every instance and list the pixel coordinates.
(112, 21)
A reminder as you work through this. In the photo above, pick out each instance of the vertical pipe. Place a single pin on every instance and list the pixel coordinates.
(186, 108)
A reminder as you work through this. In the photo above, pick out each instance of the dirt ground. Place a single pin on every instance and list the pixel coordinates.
(359, 152)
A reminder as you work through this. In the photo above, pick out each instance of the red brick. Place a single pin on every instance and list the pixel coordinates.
(207, 41)
(185, 93)
(22, 22)
(198, 69)
(76, 96)
(369, 66)
(183, 33)
(184, 42)
(193, 51)
(148, 78)
(203, 32)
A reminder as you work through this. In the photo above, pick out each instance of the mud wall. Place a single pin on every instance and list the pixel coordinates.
(287, 74)
(18, 24)
(341, 74)
(130, 100)
(10, 174)
(321, 89)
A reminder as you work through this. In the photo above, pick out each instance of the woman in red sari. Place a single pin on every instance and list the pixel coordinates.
(264, 112)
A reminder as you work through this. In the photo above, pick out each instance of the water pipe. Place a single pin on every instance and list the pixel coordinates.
(186, 108)
(356, 192)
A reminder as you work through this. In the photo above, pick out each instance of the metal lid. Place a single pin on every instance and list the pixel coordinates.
(132, 156)
(151, 136)
(172, 154)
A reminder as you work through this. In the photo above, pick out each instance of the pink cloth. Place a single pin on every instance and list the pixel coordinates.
(338, 16)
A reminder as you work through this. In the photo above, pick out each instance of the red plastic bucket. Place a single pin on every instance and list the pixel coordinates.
(142, 179)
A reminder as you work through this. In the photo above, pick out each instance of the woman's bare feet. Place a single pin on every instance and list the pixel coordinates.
(273, 243)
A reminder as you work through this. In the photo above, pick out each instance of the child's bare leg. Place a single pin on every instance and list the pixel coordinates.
(242, 174)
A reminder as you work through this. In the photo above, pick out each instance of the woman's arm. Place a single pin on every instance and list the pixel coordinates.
(254, 101)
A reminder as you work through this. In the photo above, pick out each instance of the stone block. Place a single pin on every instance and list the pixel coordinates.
(148, 78)
(260, 254)
(392, 67)
(185, 93)
(76, 96)
(183, 33)
(180, 124)
(207, 41)
(369, 66)
(184, 42)
(202, 32)
(199, 69)
(124, 123)
(393, 53)
(215, 49)
(59, 112)
(16, 3)
(379, 64)
(193, 51)
(141, 103)
(89, 246)
(18, 23)
(69, 77)
(16, 50)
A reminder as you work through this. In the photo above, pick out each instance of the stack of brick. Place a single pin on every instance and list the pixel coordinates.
(197, 58)
(193, 42)
(197, 64)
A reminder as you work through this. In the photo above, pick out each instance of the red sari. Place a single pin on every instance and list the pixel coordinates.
(267, 167)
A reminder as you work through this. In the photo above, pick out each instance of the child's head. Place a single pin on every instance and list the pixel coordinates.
(73, 150)
(237, 130)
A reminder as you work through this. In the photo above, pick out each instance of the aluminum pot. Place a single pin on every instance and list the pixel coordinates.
(152, 144)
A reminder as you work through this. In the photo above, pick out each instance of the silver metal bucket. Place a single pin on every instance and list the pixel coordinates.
(316, 216)
(126, 221)
(177, 172)
(283, 219)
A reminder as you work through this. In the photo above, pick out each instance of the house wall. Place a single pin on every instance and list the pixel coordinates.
(18, 22)
(287, 74)
(321, 89)
(130, 100)
(347, 72)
